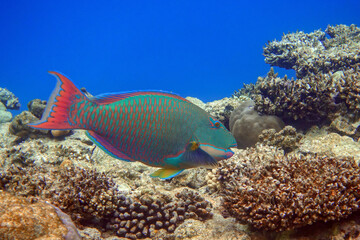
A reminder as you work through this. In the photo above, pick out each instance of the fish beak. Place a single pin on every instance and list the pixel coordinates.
(229, 153)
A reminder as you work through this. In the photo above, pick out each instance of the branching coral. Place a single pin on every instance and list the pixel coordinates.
(92, 199)
(288, 191)
(287, 138)
(313, 99)
(328, 72)
(144, 217)
(314, 53)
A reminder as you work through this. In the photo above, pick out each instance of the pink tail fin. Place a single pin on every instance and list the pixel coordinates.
(56, 114)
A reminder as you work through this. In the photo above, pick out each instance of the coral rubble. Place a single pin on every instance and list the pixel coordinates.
(273, 191)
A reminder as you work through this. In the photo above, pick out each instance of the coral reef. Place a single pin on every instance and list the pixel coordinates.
(287, 138)
(19, 126)
(344, 126)
(314, 53)
(153, 213)
(29, 219)
(284, 192)
(37, 107)
(9, 99)
(328, 72)
(197, 102)
(92, 199)
(246, 124)
(320, 141)
(313, 99)
(222, 109)
(5, 116)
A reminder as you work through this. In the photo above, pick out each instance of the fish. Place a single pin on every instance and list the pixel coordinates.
(157, 128)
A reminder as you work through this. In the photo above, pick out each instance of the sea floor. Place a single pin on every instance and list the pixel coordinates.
(52, 156)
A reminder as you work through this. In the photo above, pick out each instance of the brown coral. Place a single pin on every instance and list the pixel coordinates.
(92, 199)
(287, 138)
(288, 191)
(313, 99)
(328, 72)
(144, 217)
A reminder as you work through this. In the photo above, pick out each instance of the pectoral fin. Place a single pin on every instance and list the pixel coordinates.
(193, 156)
(164, 173)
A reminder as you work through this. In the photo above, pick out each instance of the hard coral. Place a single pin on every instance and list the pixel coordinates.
(37, 107)
(9, 99)
(288, 191)
(143, 217)
(19, 126)
(287, 138)
(314, 53)
(246, 124)
(92, 199)
(313, 99)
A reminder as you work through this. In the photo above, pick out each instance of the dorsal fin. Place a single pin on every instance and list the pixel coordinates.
(107, 98)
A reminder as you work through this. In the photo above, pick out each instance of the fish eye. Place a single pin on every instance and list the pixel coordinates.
(217, 124)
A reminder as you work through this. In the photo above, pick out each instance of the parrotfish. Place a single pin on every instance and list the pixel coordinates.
(157, 128)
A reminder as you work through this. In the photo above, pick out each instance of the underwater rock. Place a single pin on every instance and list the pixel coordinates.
(217, 228)
(246, 124)
(332, 144)
(221, 109)
(9, 99)
(313, 53)
(287, 138)
(344, 126)
(21, 218)
(60, 133)
(37, 107)
(19, 126)
(5, 116)
(288, 191)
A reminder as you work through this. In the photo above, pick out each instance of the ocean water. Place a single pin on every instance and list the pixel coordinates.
(204, 49)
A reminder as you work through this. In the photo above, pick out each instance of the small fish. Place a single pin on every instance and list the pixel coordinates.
(156, 128)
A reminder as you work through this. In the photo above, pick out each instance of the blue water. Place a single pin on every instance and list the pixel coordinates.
(205, 49)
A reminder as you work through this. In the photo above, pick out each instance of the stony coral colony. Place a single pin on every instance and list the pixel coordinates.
(272, 191)
(92, 199)
(271, 186)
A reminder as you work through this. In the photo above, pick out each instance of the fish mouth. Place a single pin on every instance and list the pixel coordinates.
(218, 153)
(229, 153)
